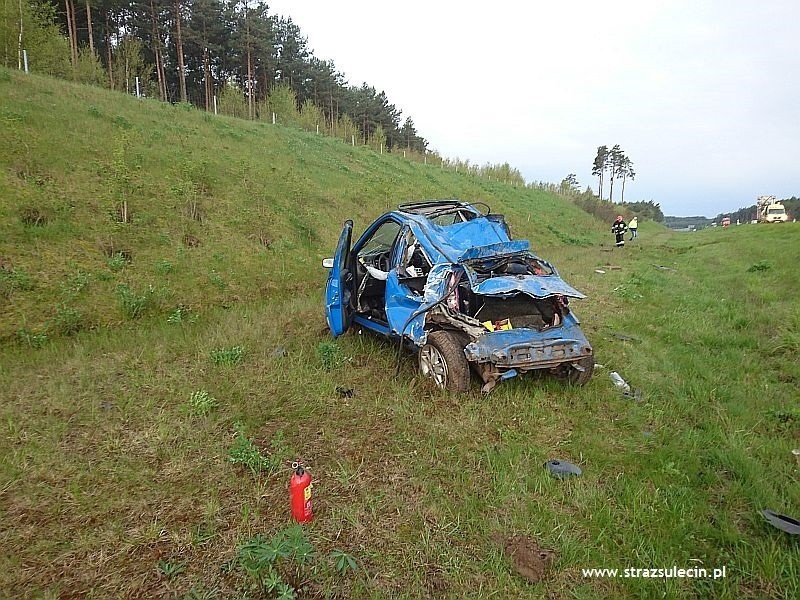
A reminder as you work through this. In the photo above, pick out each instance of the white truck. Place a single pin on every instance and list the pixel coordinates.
(770, 210)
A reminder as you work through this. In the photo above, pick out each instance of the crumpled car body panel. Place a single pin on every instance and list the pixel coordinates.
(525, 349)
(399, 304)
(533, 285)
(473, 258)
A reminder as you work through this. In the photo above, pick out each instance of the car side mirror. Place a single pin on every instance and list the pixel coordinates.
(327, 263)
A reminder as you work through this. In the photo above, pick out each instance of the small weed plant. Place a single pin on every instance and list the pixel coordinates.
(263, 560)
(228, 357)
(121, 122)
(198, 592)
(785, 417)
(330, 355)
(244, 452)
(631, 289)
(343, 562)
(216, 280)
(259, 558)
(201, 403)
(76, 283)
(33, 340)
(16, 279)
(116, 262)
(164, 267)
(182, 314)
(169, 569)
(132, 304)
(67, 320)
(760, 266)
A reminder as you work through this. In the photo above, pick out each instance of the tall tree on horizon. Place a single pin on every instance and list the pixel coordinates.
(599, 167)
(72, 31)
(89, 27)
(409, 136)
(626, 172)
(614, 161)
(179, 48)
(158, 52)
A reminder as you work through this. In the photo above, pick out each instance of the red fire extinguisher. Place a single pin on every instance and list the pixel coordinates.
(300, 494)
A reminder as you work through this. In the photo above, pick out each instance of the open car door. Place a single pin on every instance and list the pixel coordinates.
(339, 290)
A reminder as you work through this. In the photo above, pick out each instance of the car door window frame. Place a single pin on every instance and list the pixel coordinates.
(371, 257)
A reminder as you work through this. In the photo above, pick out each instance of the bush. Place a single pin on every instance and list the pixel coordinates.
(283, 102)
(89, 70)
(232, 102)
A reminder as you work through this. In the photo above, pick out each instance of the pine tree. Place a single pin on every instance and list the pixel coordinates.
(614, 160)
(599, 167)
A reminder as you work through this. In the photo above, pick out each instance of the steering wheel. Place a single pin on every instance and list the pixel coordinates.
(383, 262)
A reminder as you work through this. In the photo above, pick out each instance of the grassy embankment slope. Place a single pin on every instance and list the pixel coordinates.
(113, 484)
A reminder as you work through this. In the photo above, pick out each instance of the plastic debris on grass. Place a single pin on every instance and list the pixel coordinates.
(562, 468)
(782, 522)
(345, 392)
(625, 387)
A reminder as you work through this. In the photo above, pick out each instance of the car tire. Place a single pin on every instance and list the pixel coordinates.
(573, 376)
(442, 359)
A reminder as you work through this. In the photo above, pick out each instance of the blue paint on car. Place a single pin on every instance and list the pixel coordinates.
(446, 266)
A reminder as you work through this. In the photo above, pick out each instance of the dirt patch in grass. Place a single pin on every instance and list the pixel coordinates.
(529, 559)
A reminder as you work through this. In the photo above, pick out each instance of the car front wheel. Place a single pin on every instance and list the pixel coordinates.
(442, 360)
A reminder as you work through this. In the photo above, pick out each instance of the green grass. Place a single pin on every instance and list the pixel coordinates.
(117, 476)
(199, 203)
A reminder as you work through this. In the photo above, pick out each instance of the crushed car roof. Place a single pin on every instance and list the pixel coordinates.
(458, 242)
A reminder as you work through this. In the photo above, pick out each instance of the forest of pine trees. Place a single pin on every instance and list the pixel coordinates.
(194, 50)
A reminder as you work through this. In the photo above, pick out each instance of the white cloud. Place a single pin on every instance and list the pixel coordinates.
(702, 95)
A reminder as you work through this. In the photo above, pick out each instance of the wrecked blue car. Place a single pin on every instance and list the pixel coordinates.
(447, 279)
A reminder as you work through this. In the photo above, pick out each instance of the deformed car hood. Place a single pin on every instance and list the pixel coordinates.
(533, 285)
(536, 286)
(494, 250)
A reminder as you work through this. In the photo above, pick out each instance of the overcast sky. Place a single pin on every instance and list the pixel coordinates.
(703, 96)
